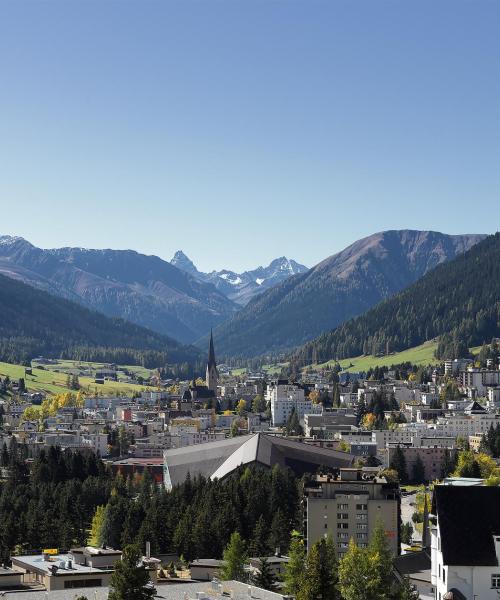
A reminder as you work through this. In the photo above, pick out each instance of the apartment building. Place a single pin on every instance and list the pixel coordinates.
(284, 397)
(349, 505)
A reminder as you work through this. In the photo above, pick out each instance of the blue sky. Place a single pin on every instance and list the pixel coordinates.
(244, 130)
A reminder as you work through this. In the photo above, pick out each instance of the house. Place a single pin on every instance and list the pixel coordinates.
(205, 569)
(465, 542)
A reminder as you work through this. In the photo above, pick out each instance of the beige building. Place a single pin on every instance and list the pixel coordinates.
(348, 506)
(86, 567)
(432, 457)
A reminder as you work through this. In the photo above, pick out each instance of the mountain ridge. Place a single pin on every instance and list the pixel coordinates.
(242, 287)
(142, 289)
(341, 286)
(36, 322)
(426, 310)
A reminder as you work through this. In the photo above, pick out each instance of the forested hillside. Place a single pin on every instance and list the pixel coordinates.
(458, 300)
(341, 287)
(33, 322)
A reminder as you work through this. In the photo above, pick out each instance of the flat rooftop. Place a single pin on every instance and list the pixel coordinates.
(175, 591)
(37, 563)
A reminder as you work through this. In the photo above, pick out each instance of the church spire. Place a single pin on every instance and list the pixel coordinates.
(211, 351)
(212, 376)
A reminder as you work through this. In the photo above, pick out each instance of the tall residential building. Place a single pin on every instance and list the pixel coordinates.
(349, 505)
(212, 376)
(284, 397)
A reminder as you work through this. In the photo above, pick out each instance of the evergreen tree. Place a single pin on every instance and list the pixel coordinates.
(264, 577)
(379, 551)
(359, 574)
(448, 464)
(130, 580)
(320, 574)
(259, 546)
(279, 536)
(418, 470)
(407, 591)
(294, 569)
(293, 426)
(398, 463)
(234, 559)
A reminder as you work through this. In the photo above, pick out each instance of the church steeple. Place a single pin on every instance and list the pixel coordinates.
(212, 376)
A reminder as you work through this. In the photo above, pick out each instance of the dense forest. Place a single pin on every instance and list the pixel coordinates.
(342, 286)
(458, 300)
(72, 498)
(52, 507)
(34, 322)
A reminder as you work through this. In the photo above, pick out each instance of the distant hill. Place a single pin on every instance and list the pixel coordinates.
(340, 287)
(145, 290)
(242, 287)
(34, 322)
(458, 301)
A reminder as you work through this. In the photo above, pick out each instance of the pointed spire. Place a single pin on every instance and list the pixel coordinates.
(211, 351)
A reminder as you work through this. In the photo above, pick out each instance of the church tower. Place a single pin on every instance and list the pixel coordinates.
(212, 376)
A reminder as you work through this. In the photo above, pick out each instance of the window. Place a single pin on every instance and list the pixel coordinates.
(342, 515)
(495, 581)
(343, 506)
(361, 536)
(343, 536)
(361, 517)
(361, 506)
(342, 525)
(361, 526)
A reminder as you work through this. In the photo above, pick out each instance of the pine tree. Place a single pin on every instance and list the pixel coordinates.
(407, 591)
(359, 576)
(381, 553)
(294, 569)
(234, 559)
(398, 463)
(418, 470)
(130, 581)
(279, 536)
(320, 574)
(264, 577)
(259, 546)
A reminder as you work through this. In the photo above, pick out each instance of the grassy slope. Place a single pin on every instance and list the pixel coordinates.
(419, 355)
(55, 383)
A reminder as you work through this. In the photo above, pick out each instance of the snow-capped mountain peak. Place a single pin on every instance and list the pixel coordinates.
(241, 287)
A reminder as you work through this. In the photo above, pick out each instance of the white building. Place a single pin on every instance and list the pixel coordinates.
(465, 425)
(284, 397)
(478, 380)
(465, 542)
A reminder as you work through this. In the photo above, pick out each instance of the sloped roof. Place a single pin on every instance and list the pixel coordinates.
(218, 459)
(468, 518)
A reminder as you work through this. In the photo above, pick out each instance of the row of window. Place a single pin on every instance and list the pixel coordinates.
(346, 506)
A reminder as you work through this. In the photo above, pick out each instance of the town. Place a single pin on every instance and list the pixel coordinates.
(396, 448)
(249, 300)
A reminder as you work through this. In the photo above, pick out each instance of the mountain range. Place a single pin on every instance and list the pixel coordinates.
(242, 287)
(145, 290)
(338, 288)
(35, 322)
(458, 302)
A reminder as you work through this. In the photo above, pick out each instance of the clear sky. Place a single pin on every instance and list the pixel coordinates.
(242, 130)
